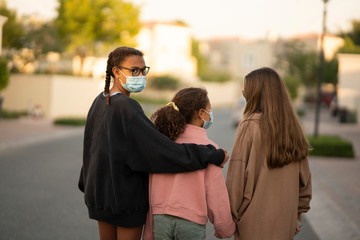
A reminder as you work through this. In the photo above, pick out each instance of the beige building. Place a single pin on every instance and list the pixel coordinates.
(238, 56)
(167, 49)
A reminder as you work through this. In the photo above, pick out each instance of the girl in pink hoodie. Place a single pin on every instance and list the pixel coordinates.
(181, 203)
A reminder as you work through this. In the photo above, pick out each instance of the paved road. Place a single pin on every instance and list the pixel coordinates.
(39, 172)
(39, 198)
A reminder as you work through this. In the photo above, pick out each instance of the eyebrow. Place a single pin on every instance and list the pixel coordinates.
(137, 67)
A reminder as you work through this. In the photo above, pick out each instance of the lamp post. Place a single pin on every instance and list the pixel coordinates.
(320, 72)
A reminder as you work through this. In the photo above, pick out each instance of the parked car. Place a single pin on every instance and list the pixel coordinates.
(326, 98)
(237, 111)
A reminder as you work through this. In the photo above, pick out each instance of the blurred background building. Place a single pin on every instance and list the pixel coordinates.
(60, 65)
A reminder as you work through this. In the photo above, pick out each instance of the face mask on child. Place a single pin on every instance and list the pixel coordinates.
(207, 124)
(134, 83)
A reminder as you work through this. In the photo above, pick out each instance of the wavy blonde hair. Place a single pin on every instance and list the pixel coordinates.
(283, 137)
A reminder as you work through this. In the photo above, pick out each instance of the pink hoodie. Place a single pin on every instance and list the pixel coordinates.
(194, 196)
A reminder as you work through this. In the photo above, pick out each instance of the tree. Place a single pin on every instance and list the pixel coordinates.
(354, 34)
(204, 71)
(4, 73)
(201, 60)
(330, 74)
(42, 38)
(292, 84)
(299, 65)
(4, 78)
(298, 61)
(349, 46)
(82, 24)
(352, 39)
(13, 30)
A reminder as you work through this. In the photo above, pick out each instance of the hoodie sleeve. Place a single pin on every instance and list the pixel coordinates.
(151, 151)
(238, 183)
(218, 202)
(305, 188)
(81, 181)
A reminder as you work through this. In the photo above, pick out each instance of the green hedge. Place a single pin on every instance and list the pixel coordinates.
(147, 100)
(300, 112)
(4, 73)
(70, 121)
(165, 82)
(331, 146)
(12, 114)
(215, 76)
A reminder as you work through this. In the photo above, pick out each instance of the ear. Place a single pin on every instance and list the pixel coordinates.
(116, 72)
(199, 114)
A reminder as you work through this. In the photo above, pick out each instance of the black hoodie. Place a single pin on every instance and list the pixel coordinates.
(121, 146)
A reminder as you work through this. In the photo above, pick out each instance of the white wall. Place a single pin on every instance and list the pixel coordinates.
(68, 96)
(72, 96)
(57, 95)
(349, 82)
(24, 92)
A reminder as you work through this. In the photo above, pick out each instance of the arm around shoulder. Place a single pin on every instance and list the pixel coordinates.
(151, 151)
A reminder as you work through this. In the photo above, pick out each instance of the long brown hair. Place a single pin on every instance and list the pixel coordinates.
(283, 137)
(115, 59)
(171, 122)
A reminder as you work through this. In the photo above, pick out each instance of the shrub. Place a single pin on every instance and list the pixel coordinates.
(70, 121)
(292, 84)
(4, 73)
(165, 82)
(331, 146)
(13, 114)
(300, 112)
(147, 100)
(215, 76)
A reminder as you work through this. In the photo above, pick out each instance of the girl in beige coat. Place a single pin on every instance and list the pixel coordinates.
(268, 180)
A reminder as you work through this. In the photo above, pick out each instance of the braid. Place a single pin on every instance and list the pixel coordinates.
(115, 58)
(107, 81)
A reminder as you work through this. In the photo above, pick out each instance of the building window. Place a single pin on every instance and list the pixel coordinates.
(249, 60)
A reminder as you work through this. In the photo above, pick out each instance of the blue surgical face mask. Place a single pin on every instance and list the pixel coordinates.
(206, 123)
(134, 83)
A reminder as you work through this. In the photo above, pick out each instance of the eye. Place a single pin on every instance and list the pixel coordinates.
(135, 71)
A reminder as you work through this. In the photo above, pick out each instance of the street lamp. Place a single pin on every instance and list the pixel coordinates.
(320, 73)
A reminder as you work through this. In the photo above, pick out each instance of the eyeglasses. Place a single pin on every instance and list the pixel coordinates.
(136, 71)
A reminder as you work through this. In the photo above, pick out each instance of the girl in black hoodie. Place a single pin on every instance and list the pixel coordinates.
(121, 146)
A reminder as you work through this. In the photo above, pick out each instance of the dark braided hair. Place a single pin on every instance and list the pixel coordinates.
(171, 122)
(115, 58)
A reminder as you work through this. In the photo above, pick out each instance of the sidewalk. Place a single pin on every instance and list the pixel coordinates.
(27, 130)
(335, 207)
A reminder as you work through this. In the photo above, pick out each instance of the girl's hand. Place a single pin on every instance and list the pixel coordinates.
(298, 225)
(217, 235)
(225, 159)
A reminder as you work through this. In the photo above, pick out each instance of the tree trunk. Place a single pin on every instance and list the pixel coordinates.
(1, 101)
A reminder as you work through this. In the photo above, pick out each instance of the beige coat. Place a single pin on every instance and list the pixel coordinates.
(265, 202)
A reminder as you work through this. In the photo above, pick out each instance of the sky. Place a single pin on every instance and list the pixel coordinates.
(231, 18)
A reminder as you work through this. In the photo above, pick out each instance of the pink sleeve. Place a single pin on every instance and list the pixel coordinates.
(218, 202)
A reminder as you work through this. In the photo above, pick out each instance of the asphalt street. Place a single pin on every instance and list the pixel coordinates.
(38, 184)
